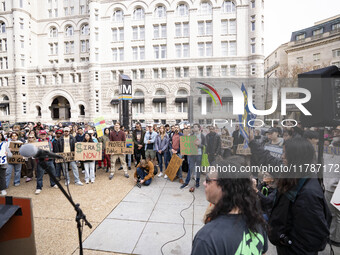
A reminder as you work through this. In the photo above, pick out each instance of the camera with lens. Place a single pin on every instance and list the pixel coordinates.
(138, 184)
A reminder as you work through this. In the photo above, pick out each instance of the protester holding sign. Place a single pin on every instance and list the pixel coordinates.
(117, 135)
(176, 149)
(66, 144)
(89, 164)
(161, 146)
(16, 166)
(49, 162)
(4, 153)
(195, 160)
(105, 162)
(30, 163)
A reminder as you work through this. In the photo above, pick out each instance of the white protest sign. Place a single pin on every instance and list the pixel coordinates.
(3, 157)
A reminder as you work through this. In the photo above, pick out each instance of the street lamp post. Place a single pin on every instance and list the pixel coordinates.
(266, 98)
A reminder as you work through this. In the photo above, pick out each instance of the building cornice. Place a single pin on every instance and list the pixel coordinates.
(312, 44)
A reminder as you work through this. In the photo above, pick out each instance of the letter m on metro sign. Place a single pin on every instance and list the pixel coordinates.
(125, 87)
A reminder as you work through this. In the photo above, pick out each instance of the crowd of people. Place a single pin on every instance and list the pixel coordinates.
(295, 213)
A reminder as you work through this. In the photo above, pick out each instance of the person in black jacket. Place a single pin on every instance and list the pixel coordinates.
(138, 141)
(238, 138)
(213, 148)
(67, 144)
(300, 218)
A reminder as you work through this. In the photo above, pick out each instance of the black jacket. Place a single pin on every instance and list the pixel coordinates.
(61, 143)
(134, 138)
(301, 213)
(213, 143)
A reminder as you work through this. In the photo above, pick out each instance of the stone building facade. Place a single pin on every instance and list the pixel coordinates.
(60, 59)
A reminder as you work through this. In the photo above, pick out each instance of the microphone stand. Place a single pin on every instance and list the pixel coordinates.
(80, 215)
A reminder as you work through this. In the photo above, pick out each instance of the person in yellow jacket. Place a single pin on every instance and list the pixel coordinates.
(144, 172)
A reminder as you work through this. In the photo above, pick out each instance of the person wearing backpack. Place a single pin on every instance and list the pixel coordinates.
(300, 218)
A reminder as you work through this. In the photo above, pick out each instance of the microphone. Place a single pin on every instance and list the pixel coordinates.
(29, 150)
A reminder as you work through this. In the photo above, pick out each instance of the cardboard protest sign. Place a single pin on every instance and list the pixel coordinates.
(99, 124)
(188, 146)
(16, 158)
(68, 156)
(118, 147)
(3, 157)
(243, 151)
(88, 151)
(42, 145)
(5, 126)
(173, 167)
(226, 142)
(275, 150)
(335, 201)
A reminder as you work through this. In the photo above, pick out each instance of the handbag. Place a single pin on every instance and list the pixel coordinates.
(205, 160)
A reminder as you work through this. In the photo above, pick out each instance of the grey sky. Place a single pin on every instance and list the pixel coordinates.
(284, 17)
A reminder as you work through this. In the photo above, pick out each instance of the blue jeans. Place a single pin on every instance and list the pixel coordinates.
(74, 170)
(160, 160)
(142, 173)
(194, 160)
(128, 160)
(17, 173)
(58, 170)
(40, 173)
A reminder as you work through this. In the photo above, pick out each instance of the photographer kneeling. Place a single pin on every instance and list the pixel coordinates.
(144, 172)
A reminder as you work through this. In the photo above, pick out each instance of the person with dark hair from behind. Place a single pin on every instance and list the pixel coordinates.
(311, 136)
(235, 225)
(300, 218)
(144, 172)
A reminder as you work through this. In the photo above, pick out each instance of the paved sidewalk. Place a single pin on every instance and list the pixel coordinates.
(149, 217)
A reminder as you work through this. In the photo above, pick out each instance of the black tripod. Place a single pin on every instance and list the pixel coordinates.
(80, 215)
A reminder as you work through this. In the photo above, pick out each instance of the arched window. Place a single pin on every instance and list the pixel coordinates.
(69, 30)
(53, 32)
(138, 103)
(160, 92)
(38, 108)
(85, 29)
(118, 15)
(81, 110)
(205, 8)
(228, 6)
(160, 11)
(4, 105)
(2, 27)
(182, 10)
(138, 14)
(139, 93)
(182, 92)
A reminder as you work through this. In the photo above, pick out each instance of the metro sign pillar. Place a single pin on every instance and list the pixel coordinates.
(125, 100)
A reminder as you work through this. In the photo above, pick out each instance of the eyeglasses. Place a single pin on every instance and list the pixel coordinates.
(209, 180)
(31, 137)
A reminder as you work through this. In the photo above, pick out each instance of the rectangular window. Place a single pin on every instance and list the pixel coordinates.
(224, 27)
(316, 56)
(141, 73)
(253, 26)
(252, 69)
(232, 27)
(163, 73)
(336, 26)
(336, 53)
(205, 28)
(134, 74)
(155, 73)
(318, 31)
(232, 48)
(178, 72)
(224, 71)
(209, 71)
(200, 71)
(300, 37)
(233, 70)
(185, 71)
(224, 49)
(113, 75)
(252, 48)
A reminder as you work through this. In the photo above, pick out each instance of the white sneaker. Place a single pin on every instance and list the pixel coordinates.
(3, 192)
(87, 182)
(92, 181)
(16, 185)
(79, 183)
(67, 183)
(55, 186)
(37, 191)
(165, 176)
(83, 171)
(160, 174)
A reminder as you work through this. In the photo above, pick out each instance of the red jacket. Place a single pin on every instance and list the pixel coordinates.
(117, 136)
